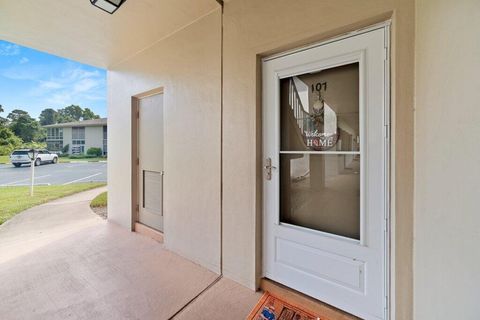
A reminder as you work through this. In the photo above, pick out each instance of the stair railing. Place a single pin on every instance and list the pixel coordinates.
(302, 118)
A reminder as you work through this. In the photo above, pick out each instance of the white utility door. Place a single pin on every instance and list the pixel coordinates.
(325, 125)
(150, 161)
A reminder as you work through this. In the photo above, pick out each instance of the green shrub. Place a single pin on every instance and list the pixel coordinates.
(6, 150)
(8, 141)
(34, 145)
(66, 148)
(82, 156)
(96, 152)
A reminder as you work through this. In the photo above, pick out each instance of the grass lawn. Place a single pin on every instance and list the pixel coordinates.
(14, 200)
(4, 159)
(100, 200)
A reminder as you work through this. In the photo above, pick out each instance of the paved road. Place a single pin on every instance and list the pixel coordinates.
(54, 174)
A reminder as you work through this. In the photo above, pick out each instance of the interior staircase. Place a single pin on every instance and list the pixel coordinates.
(299, 113)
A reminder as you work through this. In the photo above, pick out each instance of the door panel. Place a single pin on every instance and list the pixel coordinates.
(325, 153)
(150, 166)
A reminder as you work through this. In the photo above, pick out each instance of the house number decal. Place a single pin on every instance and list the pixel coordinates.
(322, 130)
(319, 86)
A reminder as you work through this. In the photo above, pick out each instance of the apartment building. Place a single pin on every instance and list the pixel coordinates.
(79, 136)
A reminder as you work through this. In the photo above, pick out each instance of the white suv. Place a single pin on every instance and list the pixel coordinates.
(19, 157)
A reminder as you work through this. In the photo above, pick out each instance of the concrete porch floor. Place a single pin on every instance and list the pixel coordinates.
(60, 261)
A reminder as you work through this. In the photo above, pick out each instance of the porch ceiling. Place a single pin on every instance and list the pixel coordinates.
(77, 30)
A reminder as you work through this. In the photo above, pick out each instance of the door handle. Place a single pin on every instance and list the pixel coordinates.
(268, 168)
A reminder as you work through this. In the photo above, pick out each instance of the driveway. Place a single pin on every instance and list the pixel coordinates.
(61, 261)
(54, 174)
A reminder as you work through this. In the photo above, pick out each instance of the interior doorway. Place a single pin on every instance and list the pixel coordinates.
(326, 149)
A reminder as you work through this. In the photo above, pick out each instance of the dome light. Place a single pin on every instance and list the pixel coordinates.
(109, 6)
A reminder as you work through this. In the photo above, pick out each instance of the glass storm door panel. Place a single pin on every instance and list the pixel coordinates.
(325, 183)
(320, 150)
(150, 164)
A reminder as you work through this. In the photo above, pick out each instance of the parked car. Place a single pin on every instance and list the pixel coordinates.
(19, 157)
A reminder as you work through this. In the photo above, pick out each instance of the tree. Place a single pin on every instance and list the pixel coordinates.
(16, 114)
(48, 116)
(3, 121)
(8, 137)
(8, 141)
(40, 134)
(89, 115)
(75, 113)
(70, 113)
(24, 126)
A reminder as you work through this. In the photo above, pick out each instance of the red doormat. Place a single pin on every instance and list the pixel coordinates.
(272, 308)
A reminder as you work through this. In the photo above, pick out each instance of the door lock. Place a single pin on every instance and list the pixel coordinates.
(268, 168)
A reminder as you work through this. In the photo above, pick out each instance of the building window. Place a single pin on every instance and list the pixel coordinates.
(78, 140)
(78, 133)
(55, 145)
(55, 139)
(105, 140)
(55, 134)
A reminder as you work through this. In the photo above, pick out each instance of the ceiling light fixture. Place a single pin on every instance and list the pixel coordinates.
(109, 6)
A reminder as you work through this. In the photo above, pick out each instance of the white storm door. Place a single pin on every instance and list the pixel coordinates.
(325, 122)
(150, 161)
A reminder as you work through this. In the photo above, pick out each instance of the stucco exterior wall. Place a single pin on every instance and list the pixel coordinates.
(253, 29)
(93, 137)
(214, 217)
(188, 67)
(447, 174)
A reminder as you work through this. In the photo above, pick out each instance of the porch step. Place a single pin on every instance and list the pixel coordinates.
(296, 298)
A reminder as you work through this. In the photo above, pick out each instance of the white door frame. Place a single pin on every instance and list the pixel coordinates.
(134, 160)
(389, 226)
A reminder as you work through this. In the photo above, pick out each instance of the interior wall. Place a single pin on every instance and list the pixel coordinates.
(447, 171)
(188, 67)
(253, 29)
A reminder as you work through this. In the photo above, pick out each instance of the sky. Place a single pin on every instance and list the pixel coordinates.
(32, 80)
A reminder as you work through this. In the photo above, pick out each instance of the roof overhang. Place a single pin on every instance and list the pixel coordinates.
(85, 123)
(77, 30)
